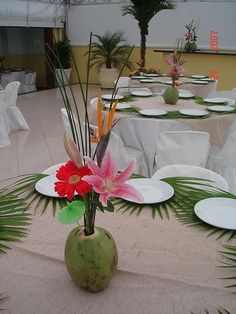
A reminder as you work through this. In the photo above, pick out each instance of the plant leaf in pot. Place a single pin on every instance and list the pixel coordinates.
(109, 52)
(62, 62)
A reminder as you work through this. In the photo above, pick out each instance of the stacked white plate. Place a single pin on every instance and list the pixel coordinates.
(221, 108)
(198, 76)
(185, 94)
(151, 74)
(141, 93)
(193, 112)
(110, 97)
(219, 100)
(147, 81)
(199, 82)
(120, 106)
(152, 112)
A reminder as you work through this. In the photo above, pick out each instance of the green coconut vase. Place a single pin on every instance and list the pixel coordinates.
(91, 260)
(171, 96)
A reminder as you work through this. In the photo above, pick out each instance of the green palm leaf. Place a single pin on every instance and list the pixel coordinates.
(13, 220)
(229, 255)
(219, 311)
(3, 297)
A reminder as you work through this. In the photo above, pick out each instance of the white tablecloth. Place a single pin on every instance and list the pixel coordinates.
(140, 132)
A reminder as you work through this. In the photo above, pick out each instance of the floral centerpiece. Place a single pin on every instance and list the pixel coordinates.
(89, 180)
(191, 37)
(171, 94)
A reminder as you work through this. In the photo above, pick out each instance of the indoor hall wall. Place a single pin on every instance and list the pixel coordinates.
(165, 27)
(195, 64)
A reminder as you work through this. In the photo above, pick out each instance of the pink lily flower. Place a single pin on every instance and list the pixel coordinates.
(108, 183)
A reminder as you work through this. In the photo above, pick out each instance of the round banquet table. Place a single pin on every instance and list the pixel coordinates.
(164, 267)
(162, 82)
(140, 132)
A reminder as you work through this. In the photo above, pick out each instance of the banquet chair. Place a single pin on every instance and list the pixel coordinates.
(212, 92)
(4, 138)
(182, 147)
(123, 84)
(228, 94)
(224, 161)
(15, 118)
(193, 172)
(123, 154)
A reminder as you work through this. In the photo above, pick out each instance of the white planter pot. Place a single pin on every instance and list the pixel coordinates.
(107, 77)
(63, 75)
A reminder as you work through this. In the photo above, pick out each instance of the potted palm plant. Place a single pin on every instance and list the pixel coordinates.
(109, 52)
(143, 11)
(62, 63)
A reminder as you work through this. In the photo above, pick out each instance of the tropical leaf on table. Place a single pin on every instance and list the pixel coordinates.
(13, 220)
(188, 191)
(219, 311)
(229, 255)
(3, 297)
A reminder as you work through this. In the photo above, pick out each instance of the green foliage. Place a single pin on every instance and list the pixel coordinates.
(13, 220)
(143, 11)
(110, 50)
(229, 255)
(219, 311)
(62, 50)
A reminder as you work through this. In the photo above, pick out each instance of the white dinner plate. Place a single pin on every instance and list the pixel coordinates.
(53, 169)
(168, 82)
(152, 112)
(217, 211)
(193, 112)
(109, 97)
(141, 93)
(215, 100)
(198, 76)
(45, 186)
(147, 81)
(221, 108)
(151, 74)
(137, 77)
(200, 82)
(185, 95)
(207, 79)
(218, 100)
(152, 190)
(120, 106)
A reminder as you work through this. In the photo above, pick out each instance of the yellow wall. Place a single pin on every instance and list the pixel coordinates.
(195, 64)
(32, 62)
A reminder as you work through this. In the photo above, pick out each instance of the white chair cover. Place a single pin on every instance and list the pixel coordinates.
(224, 162)
(131, 131)
(18, 76)
(182, 147)
(192, 171)
(228, 94)
(15, 118)
(212, 92)
(29, 85)
(122, 154)
(4, 138)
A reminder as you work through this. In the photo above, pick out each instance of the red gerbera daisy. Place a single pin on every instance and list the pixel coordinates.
(71, 180)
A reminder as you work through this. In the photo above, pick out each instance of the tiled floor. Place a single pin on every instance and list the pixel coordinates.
(35, 150)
